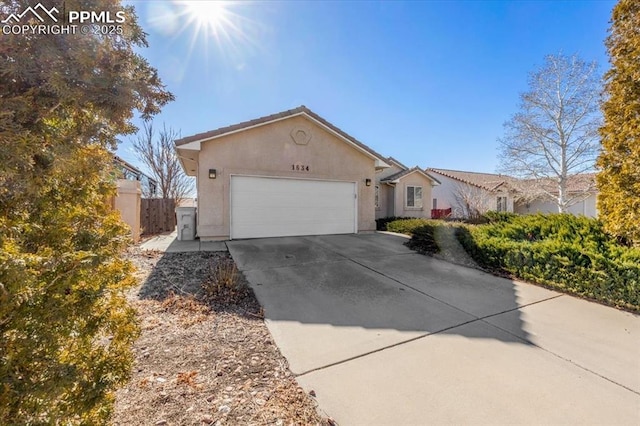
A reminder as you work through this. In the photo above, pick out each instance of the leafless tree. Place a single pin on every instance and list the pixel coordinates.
(471, 201)
(159, 155)
(554, 137)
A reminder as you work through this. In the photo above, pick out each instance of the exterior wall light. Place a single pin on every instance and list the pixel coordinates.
(212, 173)
(367, 182)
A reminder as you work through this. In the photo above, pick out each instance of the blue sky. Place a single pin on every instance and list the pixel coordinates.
(429, 83)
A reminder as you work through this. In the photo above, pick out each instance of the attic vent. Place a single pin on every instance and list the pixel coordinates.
(301, 135)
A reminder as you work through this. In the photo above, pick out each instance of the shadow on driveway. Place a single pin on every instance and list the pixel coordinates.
(386, 336)
(330, 298)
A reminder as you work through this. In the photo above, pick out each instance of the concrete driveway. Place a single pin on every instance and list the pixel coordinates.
(387, 336)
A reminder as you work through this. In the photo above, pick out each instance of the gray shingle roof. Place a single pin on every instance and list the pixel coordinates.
(268, 118)
(399, 164)
(405, 172)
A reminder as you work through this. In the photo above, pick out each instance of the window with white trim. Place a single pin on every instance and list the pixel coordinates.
(377, 196)
(501, 204)
(413, 197)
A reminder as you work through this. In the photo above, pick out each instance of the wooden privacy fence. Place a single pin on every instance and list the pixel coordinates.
(157, 215)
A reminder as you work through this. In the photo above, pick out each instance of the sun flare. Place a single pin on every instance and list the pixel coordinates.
(220, 34)
(210, 16)
(218, 24)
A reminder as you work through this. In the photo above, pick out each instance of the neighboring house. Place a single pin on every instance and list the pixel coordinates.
(403, 191)
(129, 172)
(582, 188)
(470, 194)
(290, 173)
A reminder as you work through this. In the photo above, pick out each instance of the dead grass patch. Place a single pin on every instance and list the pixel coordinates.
(205, 356)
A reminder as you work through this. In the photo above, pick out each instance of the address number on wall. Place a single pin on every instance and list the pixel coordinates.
(300, 167)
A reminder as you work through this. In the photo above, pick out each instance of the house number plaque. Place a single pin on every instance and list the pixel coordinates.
(300, 167)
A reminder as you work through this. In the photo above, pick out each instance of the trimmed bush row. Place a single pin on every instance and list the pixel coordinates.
(494, 216)
(381, 224)
(407, 226)
(562, 251)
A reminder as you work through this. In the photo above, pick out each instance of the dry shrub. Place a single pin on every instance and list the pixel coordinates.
(188, 378)
(224, 285)
(189, 310)
(292, 404)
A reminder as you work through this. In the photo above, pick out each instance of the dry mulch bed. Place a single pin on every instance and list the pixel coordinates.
(204, 355)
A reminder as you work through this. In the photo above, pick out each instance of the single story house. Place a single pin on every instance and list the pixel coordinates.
(128, 171)
(470, 194)
(290, 173)
(403, 191)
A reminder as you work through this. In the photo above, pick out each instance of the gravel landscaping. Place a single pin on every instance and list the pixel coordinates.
(204, 355)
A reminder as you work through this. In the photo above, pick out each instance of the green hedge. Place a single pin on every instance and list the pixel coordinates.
(381, 224)
(562, 251)
(408, 225)
(494, 216)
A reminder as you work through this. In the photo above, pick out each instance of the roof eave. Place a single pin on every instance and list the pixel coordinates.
(190, 170)
(197, 144)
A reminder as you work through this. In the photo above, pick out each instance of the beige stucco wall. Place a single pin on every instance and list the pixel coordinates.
(386, 202)
(127, 202)
(413, 179)
(269, 150)
(385, 205)
(392, 196)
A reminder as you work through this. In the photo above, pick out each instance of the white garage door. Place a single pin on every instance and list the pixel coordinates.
(278, 207)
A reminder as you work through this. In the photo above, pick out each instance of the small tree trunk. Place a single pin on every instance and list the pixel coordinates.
(562, 196)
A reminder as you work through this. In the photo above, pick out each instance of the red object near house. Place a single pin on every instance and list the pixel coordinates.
(440, 213)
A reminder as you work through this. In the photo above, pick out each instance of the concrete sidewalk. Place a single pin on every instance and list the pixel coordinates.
(169, 243)
(384, 336)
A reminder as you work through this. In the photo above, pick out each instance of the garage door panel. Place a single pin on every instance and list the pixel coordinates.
(269, 207)
(292, 216)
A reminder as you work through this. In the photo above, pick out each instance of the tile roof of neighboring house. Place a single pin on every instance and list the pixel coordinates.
(491, 181)
(278, 116)
(575, 183)
(405, 172)
(582, 182)
(488, 181)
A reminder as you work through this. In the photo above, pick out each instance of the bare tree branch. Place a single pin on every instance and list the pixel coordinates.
(160, 157)
(555, 134)
(471, 202)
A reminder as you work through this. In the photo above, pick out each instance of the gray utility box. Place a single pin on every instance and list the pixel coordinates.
(186, 223)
